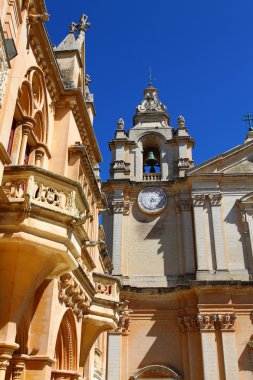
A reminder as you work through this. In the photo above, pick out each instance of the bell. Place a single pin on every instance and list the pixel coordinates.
(151, 160)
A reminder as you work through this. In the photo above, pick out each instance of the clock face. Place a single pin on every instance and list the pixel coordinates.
(152, 200)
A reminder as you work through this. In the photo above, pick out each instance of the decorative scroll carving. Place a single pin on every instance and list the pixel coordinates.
(73, 296)
(215, 199)
(151, 103)
(207, 322)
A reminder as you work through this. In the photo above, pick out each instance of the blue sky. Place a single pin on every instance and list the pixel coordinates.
(201, 56)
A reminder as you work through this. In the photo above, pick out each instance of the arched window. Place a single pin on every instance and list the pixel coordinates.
(65, 348)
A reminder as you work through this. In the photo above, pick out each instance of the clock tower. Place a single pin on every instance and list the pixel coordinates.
(148, 163)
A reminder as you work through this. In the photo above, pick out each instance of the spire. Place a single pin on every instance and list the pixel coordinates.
(70, 42)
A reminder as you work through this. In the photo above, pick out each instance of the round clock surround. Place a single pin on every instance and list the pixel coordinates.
(152, 200)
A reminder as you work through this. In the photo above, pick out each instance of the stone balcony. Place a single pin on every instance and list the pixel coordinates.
(42, 227)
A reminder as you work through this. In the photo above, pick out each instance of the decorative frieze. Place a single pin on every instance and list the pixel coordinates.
(207, 322)
(73, 296)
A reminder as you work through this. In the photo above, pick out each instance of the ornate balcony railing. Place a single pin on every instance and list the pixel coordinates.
(151, 177)
(106, 286)
(35, 186)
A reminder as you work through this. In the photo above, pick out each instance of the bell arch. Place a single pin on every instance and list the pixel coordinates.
(155, 371)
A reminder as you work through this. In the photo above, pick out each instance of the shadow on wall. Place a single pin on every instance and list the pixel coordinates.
(159, 234)
(245, 361)
(232, 218)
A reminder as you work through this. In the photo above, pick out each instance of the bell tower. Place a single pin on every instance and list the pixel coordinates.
(147, 161)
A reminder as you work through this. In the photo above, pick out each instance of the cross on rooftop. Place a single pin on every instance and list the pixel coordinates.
(249, 118)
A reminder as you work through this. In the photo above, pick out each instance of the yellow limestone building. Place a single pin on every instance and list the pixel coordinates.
(181, 239)
(57, 298)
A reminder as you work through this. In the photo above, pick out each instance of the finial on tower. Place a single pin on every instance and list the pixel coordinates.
(121, 124)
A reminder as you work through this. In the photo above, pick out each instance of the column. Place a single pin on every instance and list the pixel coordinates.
(117, 207)
(39, 154)
(218, 231)
(28, 124)
(114, 356)
(3, 368)
(209, 347)
(229, 347)
(17, 369)
(198, 204)
(188, 237)
(6, 352)
(138, 164)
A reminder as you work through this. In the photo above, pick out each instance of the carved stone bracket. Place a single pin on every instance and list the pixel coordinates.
(184, 163)
(73, 296)
(124, 320)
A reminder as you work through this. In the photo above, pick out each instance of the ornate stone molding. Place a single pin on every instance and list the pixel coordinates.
(151, 103)
(207, 322)
(199, 200)
(73, 296)
(216, 321)
(121, 207)
(184, 163)
(120, 166)
(215, 199)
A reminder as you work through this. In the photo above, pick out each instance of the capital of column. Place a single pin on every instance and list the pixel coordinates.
(198, 200)
(217, 321)
(215, 199)
(39, 154)
(28, 124)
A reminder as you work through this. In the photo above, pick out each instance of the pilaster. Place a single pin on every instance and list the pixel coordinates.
(198, 204)
(216, 200)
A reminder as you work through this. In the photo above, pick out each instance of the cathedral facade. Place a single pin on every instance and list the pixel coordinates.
(181, 242)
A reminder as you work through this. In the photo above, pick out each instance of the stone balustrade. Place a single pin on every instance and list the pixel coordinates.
(151, 177)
